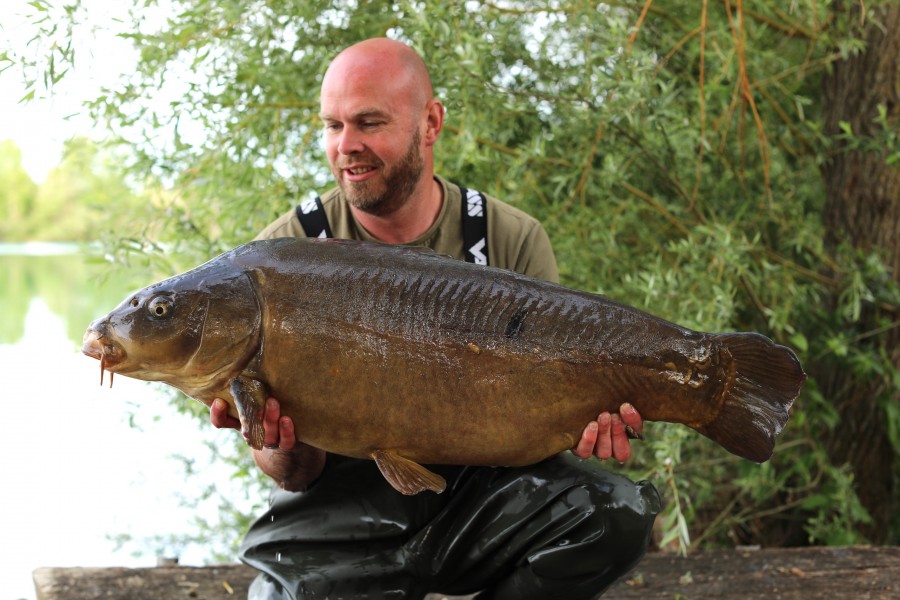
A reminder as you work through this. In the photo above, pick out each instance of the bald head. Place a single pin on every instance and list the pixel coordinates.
(383, 64)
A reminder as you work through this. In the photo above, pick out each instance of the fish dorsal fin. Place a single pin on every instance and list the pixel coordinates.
(406, 476)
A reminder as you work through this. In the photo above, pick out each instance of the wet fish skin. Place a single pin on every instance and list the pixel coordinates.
(408, 357)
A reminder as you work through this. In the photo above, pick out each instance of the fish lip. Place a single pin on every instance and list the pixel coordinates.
(99, 347)
(91, 344)
(92, 351)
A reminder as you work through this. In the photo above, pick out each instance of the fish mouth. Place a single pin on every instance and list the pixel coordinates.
(98, 346)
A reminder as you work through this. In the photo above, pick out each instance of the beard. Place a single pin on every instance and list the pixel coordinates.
(385, 195)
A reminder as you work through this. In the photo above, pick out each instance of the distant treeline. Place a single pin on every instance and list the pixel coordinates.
(73, 204)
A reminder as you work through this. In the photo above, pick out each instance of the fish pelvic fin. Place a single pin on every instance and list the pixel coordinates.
(406, 476)
(767, 379)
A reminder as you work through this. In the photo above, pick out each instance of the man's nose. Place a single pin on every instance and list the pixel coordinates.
(350, 142)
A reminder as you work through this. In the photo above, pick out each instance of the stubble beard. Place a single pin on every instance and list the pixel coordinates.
(383, 196)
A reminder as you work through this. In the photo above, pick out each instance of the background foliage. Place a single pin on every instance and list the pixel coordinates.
(70, 204)
(673, 150)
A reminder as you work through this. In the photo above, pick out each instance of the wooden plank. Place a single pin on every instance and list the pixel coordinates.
(859, 572)
(118, 583)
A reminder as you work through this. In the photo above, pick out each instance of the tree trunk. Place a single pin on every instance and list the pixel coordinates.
(863, 210)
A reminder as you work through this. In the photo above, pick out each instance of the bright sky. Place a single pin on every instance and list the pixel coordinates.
(41, 126)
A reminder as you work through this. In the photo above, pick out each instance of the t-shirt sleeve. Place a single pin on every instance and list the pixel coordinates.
(287, 225)
(536, 257)
(518, 242)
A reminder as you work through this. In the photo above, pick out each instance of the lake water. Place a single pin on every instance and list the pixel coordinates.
(81, 464)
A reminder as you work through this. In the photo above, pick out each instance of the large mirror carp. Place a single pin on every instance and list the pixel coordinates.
(408, 357)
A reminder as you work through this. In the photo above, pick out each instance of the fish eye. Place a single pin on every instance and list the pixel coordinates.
(159, 306)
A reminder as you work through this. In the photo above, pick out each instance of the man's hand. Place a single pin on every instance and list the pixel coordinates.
(279, 431)
(607, 437)
(292, 464)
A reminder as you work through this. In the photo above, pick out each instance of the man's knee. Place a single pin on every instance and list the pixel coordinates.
(625, 513)
(603, 522)
(611, 511)
(600, 528)
(607, 497)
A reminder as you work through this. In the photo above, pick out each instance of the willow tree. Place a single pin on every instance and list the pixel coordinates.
(862, 211)
(674, 149)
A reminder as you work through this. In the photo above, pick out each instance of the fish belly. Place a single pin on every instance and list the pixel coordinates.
(479, 410)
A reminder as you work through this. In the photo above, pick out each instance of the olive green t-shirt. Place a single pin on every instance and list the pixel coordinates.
(516, 241)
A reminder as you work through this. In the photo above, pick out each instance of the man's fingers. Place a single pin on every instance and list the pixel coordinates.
(632, 420)
(279, 429)
(286, 429)
(609, 436)
(217, 413)
(585, 446)
(271, 418)
(604, 449)
(219, 417)
(621, 449)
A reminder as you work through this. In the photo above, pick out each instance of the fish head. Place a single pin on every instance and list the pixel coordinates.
(195, 331)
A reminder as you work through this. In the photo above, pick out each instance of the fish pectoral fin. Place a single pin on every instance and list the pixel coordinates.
(250, 400)
(406, 476)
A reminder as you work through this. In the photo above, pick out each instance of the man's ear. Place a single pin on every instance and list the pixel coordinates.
(434, 120)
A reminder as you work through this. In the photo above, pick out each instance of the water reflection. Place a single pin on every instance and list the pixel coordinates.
(75, 287)
(74, 469)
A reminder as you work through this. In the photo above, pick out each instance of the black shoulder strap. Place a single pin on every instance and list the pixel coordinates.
(474, 223)
(313, 219)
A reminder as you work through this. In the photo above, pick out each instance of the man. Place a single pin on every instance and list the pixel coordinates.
(336, 529)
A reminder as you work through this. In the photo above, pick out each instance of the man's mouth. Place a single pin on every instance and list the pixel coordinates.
(359, 173)
(360, 170)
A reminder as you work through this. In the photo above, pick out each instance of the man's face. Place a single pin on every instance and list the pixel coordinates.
(372, 140)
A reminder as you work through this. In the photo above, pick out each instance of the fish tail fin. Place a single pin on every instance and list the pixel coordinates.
(767, 379)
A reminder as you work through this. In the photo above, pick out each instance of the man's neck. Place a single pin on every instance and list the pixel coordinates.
(408, 223)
